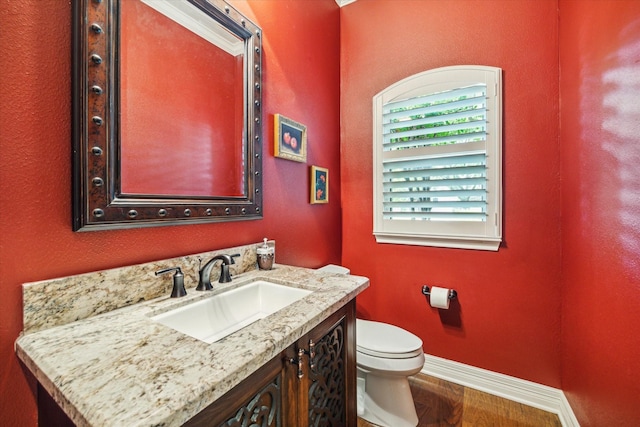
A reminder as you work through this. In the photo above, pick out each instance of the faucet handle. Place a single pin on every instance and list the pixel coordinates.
(178, 281)
(225, 275)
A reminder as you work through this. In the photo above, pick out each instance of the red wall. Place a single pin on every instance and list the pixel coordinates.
(507, 318)
(36, 241)
(600, 139)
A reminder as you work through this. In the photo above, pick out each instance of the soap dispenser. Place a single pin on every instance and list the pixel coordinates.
(265, 254)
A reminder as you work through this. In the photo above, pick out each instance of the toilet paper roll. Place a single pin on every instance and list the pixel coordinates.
(439, 297)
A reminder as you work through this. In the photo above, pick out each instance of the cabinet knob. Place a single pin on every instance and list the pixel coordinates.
(299, 360)
(312, 354)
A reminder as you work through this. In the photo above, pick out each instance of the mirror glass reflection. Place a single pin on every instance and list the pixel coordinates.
(181, 102)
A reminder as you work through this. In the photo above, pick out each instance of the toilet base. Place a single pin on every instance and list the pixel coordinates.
(386, 400)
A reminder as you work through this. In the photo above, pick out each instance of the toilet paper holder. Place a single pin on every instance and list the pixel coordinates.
(426, 292)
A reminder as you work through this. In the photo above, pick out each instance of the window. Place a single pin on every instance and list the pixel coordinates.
(437, 159)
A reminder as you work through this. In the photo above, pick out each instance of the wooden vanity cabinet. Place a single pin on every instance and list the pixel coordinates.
(285, 393)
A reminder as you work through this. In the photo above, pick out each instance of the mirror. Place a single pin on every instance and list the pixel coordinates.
(167, 114)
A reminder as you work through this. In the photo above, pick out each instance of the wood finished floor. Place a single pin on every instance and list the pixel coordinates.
(441, 403)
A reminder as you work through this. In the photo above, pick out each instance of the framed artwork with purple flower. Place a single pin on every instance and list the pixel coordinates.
(319, 185)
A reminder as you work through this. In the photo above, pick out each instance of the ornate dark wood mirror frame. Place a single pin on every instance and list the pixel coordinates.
(98, 203)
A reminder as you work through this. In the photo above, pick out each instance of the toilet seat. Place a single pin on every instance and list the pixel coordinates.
(386, 366)
(386, 341)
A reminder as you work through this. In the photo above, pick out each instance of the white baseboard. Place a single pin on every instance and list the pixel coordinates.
(526, 392)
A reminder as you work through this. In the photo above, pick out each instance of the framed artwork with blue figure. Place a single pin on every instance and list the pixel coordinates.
(290, 141)
(319, 185)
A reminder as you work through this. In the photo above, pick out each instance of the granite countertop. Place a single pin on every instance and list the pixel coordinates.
(121, 368)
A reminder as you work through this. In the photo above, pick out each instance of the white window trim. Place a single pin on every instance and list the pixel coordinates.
(481, 236)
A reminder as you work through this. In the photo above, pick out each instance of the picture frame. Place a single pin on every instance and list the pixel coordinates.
(290, 139)
(319, 185)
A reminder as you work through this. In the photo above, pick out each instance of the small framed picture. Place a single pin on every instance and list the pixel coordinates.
(290, 139)
(319, 185)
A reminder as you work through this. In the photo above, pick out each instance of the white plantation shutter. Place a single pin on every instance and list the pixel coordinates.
(437, 159)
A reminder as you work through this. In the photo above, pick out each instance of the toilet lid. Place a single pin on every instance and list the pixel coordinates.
(384, 340)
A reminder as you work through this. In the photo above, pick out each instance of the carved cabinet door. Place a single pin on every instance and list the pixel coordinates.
(327, 389)
(255, 402)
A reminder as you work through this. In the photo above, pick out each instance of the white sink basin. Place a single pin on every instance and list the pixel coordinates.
(214, 318)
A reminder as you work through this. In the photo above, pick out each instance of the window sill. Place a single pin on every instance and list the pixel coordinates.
(466, 242)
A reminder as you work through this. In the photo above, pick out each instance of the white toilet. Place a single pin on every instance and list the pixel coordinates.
(386, 356)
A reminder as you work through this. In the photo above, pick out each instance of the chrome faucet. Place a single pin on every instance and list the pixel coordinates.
(204, 282)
